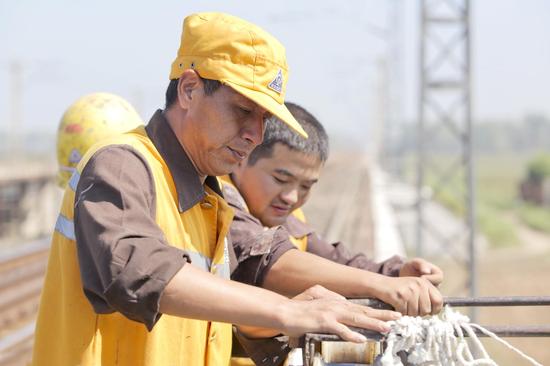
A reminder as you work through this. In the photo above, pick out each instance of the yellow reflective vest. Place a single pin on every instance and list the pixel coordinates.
(299, 242)
(69, 332)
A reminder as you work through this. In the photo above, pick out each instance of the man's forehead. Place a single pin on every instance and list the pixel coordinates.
(301, 175)
(287, 161)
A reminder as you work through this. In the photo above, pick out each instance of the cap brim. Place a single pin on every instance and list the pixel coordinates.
(271, 105)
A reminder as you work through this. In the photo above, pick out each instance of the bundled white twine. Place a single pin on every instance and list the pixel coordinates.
(439, 340)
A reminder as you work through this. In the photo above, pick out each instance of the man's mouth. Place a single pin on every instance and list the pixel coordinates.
(238, 154)
(280, 209)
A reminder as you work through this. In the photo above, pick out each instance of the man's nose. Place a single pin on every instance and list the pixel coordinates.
(290, 196)
(253, 131)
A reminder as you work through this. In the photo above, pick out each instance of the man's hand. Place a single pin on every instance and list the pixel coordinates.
(359, 316)
(410, 295)
(418, 267)
(190, 294)
(320, 310)
(312, 293)
(318, 292)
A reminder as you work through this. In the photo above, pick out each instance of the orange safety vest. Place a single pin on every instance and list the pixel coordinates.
(69, 332)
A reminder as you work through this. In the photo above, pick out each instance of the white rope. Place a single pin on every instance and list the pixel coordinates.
(439, 340)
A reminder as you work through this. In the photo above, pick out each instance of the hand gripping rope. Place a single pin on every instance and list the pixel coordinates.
(422, 341)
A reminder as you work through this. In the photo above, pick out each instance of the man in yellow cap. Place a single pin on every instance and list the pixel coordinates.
(138, 272)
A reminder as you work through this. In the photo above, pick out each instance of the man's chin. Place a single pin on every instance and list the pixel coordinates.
(274, 220)
(222, 169)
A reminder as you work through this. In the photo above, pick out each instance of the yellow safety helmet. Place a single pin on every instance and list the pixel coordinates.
(87, 121)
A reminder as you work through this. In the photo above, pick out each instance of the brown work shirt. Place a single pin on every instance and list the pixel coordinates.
(258, 248)
(139, 262)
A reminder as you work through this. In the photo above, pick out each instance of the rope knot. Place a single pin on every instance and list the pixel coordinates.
(438, 340)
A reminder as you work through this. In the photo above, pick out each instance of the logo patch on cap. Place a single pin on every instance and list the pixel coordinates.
(277, 83)
(75, 156)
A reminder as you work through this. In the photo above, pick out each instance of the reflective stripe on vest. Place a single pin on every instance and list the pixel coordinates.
(73, 182)
(205, 263)
(65, 227)
(200, 261)
(222, 270)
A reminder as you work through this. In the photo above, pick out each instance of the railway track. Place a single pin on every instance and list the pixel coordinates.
(16, 348)
(21, 276)
(340, 206)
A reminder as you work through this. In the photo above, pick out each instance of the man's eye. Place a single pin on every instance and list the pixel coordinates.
(244, 111)
(280, 181)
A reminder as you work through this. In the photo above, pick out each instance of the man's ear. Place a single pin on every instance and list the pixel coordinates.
(188, 83)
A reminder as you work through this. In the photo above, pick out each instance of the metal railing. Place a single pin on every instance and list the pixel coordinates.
(310, 342)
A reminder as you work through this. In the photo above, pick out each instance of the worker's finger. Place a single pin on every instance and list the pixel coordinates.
(319, 292)
(401, 306)
(435, 278)
(358, 319)
(431, 272)
(412, 302)
(424, 300)
(398, 301)
(424, 267)
(380, 314)
(347, 334)
(436, 300)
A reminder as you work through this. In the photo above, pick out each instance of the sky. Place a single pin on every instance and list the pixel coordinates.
(67, 49)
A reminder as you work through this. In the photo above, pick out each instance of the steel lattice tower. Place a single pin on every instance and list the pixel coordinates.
(445, 112)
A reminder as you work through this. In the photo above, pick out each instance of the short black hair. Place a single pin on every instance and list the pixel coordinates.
(210, 86)
(276, 131)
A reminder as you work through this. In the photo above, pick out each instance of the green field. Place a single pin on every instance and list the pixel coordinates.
(497, 180)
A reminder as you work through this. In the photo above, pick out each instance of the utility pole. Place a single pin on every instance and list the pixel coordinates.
(15, 121)
(445, 109)
(388, 88)
(392, 153)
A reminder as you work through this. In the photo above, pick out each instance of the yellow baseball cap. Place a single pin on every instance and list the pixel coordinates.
(240, 55)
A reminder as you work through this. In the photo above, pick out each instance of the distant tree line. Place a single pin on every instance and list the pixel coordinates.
(531, 134)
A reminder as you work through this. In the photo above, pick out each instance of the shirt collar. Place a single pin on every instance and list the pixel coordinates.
(293, 225)
(232, 194)
(297, 228)
(189, 188)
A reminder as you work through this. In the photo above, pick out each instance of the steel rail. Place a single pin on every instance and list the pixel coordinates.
(472, 301)
(12, 256)
(16, 344)
(21, 272)
(498, 301)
